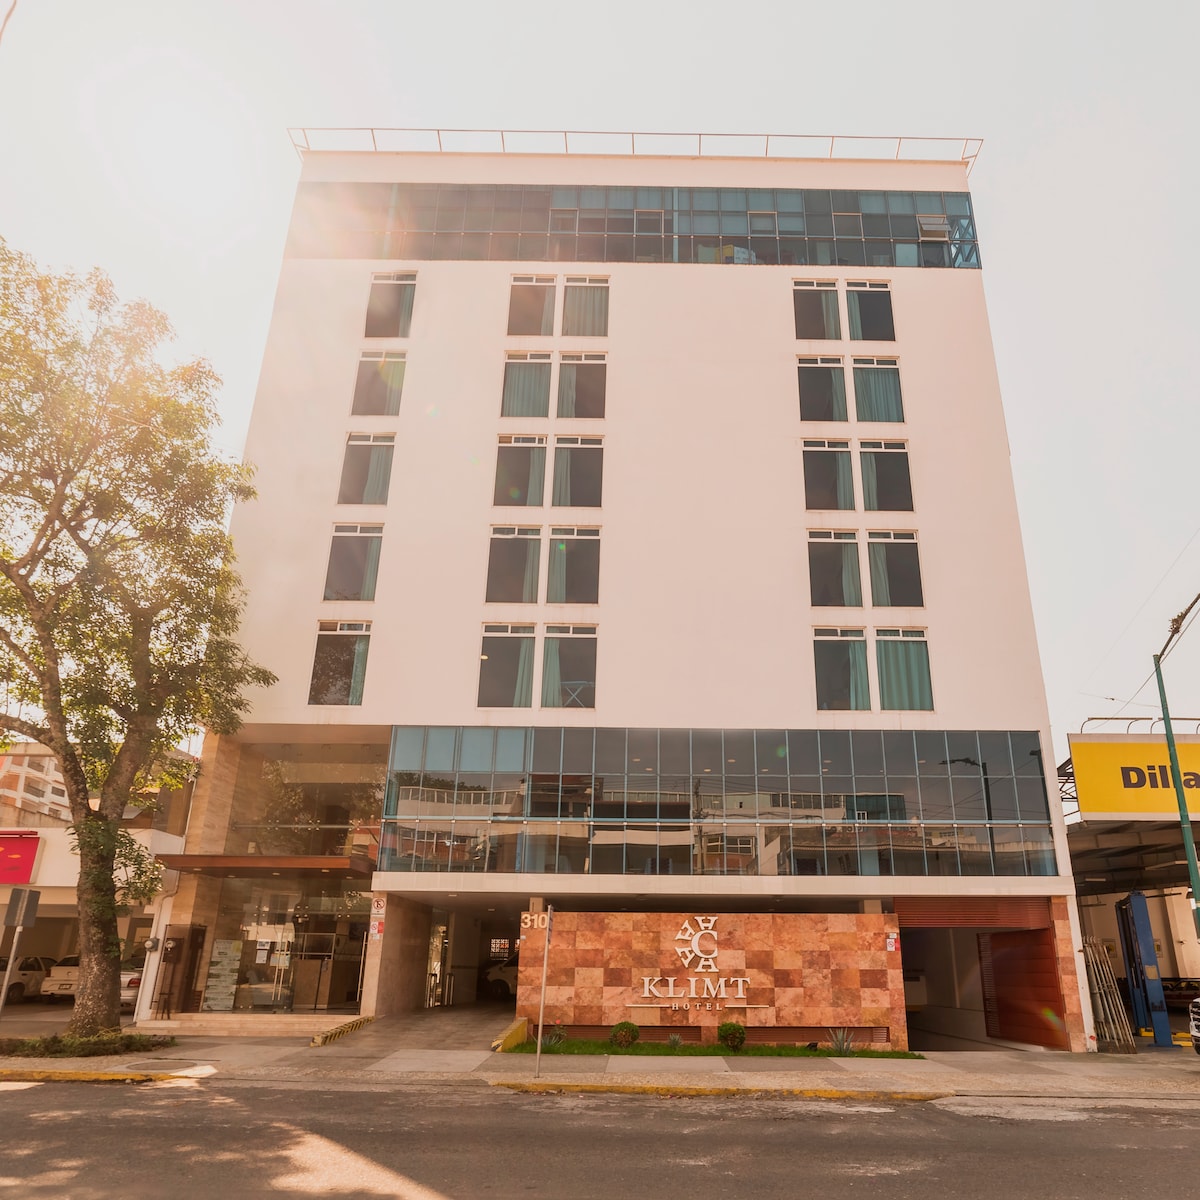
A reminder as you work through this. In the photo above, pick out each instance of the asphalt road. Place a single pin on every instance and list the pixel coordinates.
(188, 1140)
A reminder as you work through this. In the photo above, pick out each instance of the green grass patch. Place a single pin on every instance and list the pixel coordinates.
(695, 1050)
(68, 1046)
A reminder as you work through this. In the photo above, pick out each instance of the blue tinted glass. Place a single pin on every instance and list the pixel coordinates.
(733, 223)
(929, 202)
(761, 199)
(817, 202)
(649, 198)
(704, 199)
(510, 749)
(873, 202)
(620, 197)
(592, 197)
(733, 199)
(439, 748)
(565, 198)
(958, 204)
(789, 201)
(901, 202)
(407, 743)
(476, 753)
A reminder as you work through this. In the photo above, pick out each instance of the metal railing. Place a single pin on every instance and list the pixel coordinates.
(370, 139)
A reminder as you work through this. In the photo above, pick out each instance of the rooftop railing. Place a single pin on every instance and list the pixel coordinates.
(641, 145)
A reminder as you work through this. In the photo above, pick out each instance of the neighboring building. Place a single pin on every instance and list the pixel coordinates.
(37, 850)
(1126, 835)
(635, 535)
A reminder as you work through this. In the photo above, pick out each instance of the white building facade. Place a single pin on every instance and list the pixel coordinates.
(634, 533)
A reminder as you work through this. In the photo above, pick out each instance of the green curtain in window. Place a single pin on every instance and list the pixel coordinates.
(529, 585)
(585, 311)
(851, 587)
(837, 396)
(561, 494)
(860, 692)
(845, 480)
(552, 675)
(829, 310)
(526, 390)
(869, 480)
(393, 382)
(881, 588)
(556, 584)
(379, 474)
(852, 311)
(904, 681)
(523, 687)
(358, 672)
(371, 567)
(566, 390)
(537, 476)
(877, 394)
(407, 291)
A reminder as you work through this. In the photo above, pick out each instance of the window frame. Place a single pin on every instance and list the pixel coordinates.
(327, 634)
(406, 299)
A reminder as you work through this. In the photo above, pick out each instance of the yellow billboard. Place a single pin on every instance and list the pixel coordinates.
(1132, 777)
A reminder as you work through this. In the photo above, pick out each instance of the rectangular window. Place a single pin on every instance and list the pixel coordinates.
(520, 471)
(886, 483)
(340, 662)
(895, 570)
(816, 310)
(585, 307)
(366, 469)
(822, 389)
(353, 562)
(569, 667)
(506, 667)
(574, 573)
(840, 660)
(390, 306)
(531, 306)
(877, 390)
(833, 576)
(828, 483)
(578, 472)
(582, 379)
(526, 386)
(902, 656)
(378, 386)
(869, 307)
(513, 563)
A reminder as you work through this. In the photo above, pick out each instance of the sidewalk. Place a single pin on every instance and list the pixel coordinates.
(394, 1052)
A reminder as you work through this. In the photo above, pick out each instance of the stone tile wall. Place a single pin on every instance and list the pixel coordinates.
(796, 970)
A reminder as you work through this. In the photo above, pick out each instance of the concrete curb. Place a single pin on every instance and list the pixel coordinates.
(658, 1089)
(49, 1075)
(332, 1035)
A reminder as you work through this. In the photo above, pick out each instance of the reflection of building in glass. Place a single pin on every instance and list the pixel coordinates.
(643, 539)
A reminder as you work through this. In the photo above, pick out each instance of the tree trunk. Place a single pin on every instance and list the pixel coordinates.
(98, 997)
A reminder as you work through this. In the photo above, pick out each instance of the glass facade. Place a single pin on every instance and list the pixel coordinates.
(735, 226)
(716, 802)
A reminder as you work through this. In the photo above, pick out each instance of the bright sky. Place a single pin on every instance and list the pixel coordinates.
(149, 138)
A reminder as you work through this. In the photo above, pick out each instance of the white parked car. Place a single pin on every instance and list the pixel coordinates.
(500, 981)
(28, 976)
(64, 981)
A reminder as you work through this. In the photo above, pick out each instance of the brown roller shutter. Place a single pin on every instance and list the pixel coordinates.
(991, 912)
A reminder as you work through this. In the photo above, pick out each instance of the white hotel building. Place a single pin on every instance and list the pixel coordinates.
(635, 533)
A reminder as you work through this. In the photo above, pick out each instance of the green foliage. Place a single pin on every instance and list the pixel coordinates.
(119, 605)
(624, 1034)
(731, 1034)
(674, 1040)
(107, 1041)
(841, 1043)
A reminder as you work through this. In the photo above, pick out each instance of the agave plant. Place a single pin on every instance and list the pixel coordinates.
(674, 1040)
(841, 1042)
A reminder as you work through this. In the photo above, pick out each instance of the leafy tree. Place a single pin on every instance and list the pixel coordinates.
(119, 608)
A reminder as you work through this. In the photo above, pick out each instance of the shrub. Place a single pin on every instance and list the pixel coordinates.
(731, 1034)
(108, 1041)
(674, 1040)
(624, 1034)
(841, 1042)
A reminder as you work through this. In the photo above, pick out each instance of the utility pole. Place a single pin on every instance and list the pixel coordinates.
(1185, 821)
